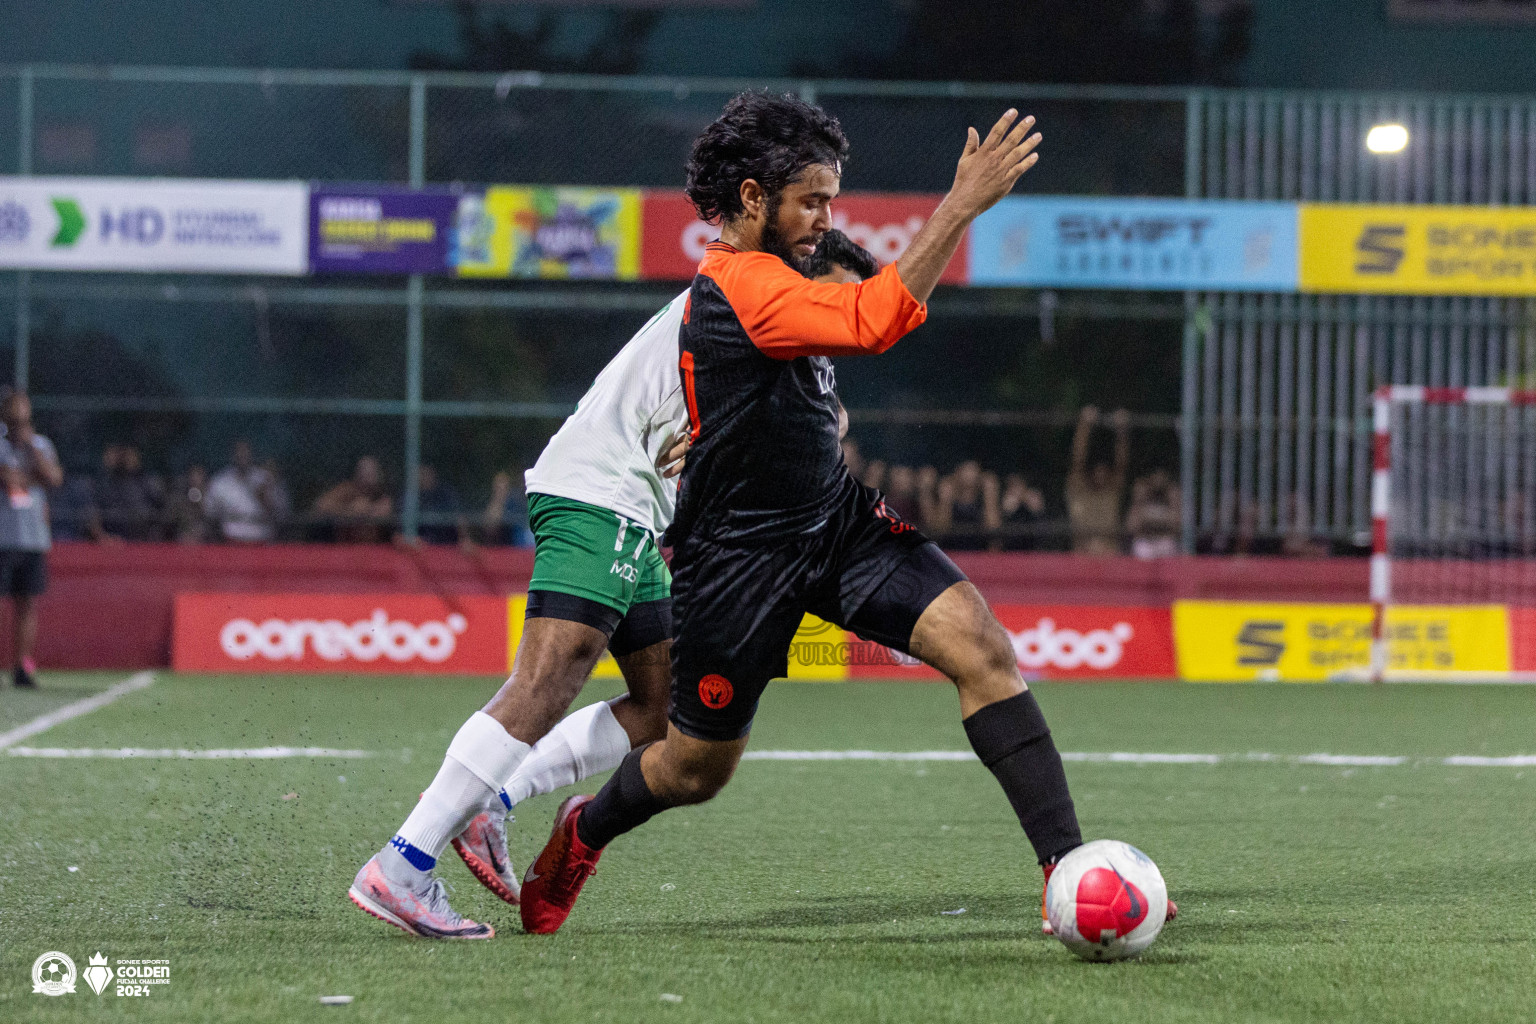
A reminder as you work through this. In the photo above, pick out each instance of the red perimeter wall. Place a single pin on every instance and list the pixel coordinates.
(109, 607)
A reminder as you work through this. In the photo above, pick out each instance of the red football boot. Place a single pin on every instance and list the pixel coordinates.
(1173, 911)
(555, 879)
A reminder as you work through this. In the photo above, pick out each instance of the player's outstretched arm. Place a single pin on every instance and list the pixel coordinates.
(988, 170)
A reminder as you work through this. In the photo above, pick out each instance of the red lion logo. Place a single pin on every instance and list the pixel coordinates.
(716, 691)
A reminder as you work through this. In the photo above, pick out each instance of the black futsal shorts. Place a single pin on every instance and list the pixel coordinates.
(736, 606)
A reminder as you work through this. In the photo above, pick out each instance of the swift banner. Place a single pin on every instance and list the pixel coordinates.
(1221, 641)
(154, 224)
(1418, 250)
(1156, 244)
(673, 237)
(339, 633)
(380, 230)
(539, 232)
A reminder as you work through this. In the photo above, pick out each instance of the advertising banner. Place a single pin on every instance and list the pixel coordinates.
(1418, 250)
(397, 633)
(380, 230)
(1221, 641)
(673, 238)
(1155, 244)
(154, 224)
(1522, 640)
(1055, 642)
(549, 232)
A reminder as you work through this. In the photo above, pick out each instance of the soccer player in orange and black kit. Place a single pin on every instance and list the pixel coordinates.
(770, 524)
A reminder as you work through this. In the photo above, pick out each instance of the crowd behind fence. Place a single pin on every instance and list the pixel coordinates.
(1258, 407)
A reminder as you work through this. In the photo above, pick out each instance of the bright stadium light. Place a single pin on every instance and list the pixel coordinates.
(1387, 138)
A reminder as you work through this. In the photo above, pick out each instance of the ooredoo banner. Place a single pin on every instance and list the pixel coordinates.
(1055, 642)
(673, 237)
(268, 633)
(154, 224)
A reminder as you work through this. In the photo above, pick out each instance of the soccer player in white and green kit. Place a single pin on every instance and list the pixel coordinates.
(599, 496)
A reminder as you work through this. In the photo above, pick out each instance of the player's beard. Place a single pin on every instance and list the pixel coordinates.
(774, 242)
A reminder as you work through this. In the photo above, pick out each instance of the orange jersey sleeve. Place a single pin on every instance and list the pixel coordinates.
(787, 315)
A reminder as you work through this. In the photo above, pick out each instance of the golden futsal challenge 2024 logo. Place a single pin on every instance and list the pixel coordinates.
(54, 974)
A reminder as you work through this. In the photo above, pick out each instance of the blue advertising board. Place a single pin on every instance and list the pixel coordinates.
(1154, 244)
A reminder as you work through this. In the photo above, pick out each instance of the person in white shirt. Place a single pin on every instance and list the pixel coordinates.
(244, 500)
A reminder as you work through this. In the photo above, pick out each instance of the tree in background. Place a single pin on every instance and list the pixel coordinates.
(493, 44)
(1157, 42)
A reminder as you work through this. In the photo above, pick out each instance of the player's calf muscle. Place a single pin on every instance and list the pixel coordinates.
(553, 662)
(958, 635)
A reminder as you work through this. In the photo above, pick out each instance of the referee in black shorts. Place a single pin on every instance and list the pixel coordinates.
(29, 464)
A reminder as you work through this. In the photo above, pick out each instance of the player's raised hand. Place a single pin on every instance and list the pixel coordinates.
(990, 167)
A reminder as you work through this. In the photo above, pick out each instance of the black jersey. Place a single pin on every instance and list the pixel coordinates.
(765, 459)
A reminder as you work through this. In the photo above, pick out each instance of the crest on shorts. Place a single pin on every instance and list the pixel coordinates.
(716, 691)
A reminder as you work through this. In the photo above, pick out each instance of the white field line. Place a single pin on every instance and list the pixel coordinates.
(1087, 757)
(234, 754)
(42, 723)
(1127, 757)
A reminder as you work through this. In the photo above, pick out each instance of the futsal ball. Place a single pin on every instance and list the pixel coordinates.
(1106, 900)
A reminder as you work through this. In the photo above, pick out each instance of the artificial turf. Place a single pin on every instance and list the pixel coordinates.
(809, 891)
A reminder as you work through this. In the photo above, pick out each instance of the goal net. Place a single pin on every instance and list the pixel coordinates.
(1453, 502)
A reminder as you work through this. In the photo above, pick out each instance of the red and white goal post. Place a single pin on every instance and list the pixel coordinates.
(1453, 507)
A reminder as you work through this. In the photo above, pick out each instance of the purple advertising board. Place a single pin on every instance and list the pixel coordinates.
(372, 229)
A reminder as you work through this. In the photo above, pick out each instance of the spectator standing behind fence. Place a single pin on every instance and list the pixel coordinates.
(1022, 508)
(244, 500)
(1093, 492)
(440, 512)
(127, 499)
(1155, 516)
(30, 465)
(360, 510)
(505, 519)
(966, 512)
(186, 516)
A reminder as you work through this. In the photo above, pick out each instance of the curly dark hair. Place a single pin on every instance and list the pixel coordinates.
(768, 138)
(838, 250)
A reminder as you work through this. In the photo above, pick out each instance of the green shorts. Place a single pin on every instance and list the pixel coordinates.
(594, 553)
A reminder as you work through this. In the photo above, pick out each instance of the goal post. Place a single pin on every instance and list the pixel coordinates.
(1453, 509)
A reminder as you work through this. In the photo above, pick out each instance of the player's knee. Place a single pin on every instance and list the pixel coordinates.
(696, 784)
(986, 655)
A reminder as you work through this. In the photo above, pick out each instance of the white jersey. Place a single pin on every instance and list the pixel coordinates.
(605, 452)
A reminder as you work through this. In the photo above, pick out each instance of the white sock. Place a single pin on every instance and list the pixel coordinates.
(480, 756)
(584, 743)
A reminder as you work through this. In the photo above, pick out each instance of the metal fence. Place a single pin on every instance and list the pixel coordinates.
(1278, 387)
(472, 376)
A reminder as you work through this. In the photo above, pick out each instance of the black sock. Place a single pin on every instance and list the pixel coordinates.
(1013, 741)
(625, 802)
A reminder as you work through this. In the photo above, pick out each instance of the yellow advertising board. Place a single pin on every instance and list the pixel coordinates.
(1219, 641)
(550, 232)
(819, 652)
(1417, 250)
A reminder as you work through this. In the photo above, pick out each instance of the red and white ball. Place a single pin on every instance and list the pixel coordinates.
(1106, 900)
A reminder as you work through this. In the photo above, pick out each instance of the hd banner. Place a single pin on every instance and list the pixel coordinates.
(1154, 244)
(154, 224)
